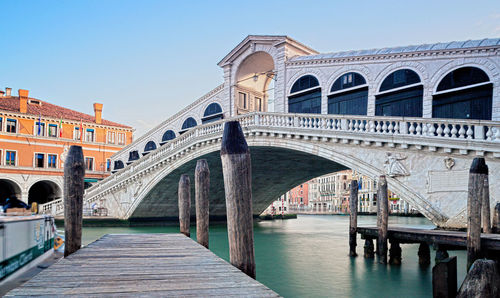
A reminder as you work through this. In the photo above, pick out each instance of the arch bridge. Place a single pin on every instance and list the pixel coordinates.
(426, 161)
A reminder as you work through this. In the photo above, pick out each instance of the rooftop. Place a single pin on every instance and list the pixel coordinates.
(45, 109)
(488, 42)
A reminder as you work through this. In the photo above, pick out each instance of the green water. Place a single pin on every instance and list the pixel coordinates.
(307, 257)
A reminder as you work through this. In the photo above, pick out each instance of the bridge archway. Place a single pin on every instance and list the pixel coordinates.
(43, 192)
(9, 189)
(277, 166)
(253, 79)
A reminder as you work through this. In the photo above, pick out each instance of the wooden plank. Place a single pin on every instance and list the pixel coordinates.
(123, 265)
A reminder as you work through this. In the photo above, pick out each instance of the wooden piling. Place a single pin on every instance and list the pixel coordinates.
(237, 172)
(353, 217)
(383, 217)
(202, 188)
(444, 278)
(369, 252)
(477, 174)
(441, 254)
(496, 219)
(485, 207)
(424, 254)
(184, 204)
(74, 173)
(395, 253)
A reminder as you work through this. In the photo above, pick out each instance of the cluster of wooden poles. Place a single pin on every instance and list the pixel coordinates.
(478, 219)
(236, 167)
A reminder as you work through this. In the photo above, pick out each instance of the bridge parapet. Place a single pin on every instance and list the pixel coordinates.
(450, 136)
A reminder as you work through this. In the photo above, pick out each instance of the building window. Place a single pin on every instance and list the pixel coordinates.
(353, 101)
(52, 161)
(111, 137)
(89, 163)
(10, 158)
(40, 128)
(465, 93)
(212, 113)
(76, 133)
(89, 135)
(404, 101)
(11, 125)
(1, 124)
(306, 96)
(258, 103)
(39, 160)
(121, 139)
(108, 165)
(242, 100)
(53, 130)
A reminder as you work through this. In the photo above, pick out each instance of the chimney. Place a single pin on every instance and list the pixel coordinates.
(8, 92)
(98, 112)
(2, 93)
(23, 101)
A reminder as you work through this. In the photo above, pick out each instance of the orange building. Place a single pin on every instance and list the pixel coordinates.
(35, 137)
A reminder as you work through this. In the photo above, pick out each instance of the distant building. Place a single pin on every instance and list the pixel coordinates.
(35, 137)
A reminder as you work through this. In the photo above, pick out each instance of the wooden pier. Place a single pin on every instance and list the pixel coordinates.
(143, 264)
(449, 240)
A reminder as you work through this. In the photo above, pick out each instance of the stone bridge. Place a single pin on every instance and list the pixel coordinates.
(426, 161)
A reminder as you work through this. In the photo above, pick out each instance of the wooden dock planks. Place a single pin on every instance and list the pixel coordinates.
(442, 237)
(143, 265)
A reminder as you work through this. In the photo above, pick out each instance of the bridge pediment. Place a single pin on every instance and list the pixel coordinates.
(254, 41)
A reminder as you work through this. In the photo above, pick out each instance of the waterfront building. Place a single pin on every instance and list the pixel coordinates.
(279, 206)
(35, 137)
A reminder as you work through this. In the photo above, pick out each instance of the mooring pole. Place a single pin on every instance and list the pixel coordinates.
(74, 173)
(184, 204)
(237, 172)
(383, 218)
(353, 217)
(477, 174)
(424, 254)
(202, 188)
(444, 278)
(485, 207)
(496, 219)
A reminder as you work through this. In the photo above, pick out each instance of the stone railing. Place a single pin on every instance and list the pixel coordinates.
(468, 134)
(55, 207)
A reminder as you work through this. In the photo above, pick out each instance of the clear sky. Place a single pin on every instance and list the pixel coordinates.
(145, 60)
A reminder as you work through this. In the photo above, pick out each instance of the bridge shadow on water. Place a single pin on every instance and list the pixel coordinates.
(274, 171)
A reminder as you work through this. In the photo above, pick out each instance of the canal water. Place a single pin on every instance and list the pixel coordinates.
(307, 257)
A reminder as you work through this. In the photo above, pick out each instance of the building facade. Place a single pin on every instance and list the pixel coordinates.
(35, 137)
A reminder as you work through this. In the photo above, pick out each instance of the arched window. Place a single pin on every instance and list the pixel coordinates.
(212, 113)
(305, 96)
(150, 146)
(118, 164)
(188, 123)
(401, 94)
(465, 93)
(349, 95)
(132, 156)
(167, 136)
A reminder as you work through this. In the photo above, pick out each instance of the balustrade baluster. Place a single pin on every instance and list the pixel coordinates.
(391, 127)
(411, 129)
(439, 131)
(496, 137)
(384, 127)
(418, 129)
(371, 125)
(379, 127)
(454, 131)
(362, 125)
(446, 130)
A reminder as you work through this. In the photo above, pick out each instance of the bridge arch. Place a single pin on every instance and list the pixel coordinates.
(311, 160)
(400, 94)
(305, 95)
(9, 188)
(187, 124)
(348, 94)
(465, 92)
(167, 136)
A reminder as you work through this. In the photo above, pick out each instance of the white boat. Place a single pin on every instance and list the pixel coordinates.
(24, 242)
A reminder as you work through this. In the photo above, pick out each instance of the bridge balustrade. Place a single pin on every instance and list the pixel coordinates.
(468, 131)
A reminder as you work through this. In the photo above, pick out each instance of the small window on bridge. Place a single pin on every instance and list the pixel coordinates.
(305, 96)
(150, 146)
(118, 165)
(349, 95)
(401, 94)
(212, 113)
(167, 136)
(188, 123)
(465, 93)
(132, 156)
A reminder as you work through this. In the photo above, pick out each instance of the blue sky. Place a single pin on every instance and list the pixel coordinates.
(145, 60)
